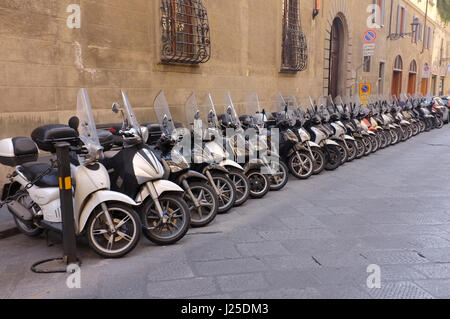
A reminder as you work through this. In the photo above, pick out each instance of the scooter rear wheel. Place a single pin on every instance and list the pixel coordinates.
(28, 230)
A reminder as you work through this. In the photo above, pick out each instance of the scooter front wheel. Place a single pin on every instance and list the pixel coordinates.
(375, 143)
(226, 192)
(319, 160)
(360, 148)
(301, 165)
(172, 226)
(280, 178)
(241, 184)
(118, 239)
(344, 152)
(352, 150)
(334, 157)
(207, 201)
(368, 145)
(259, 183)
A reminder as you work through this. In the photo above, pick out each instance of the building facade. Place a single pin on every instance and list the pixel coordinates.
(51, 48)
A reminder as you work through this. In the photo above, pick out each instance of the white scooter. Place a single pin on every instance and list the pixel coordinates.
(107, 218)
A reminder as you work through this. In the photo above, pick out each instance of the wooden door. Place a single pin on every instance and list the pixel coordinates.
(424, 86)
(396, 83)
(412, 83)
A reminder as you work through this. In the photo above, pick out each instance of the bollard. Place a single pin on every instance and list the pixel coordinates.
(66, 198)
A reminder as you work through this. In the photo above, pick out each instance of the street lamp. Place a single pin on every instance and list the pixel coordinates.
(414, 26)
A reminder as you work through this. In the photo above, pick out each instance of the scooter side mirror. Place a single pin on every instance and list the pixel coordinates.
(74, 123)
(115, 107)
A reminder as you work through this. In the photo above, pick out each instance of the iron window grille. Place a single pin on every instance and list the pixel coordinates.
(294, 47)
(185, 32)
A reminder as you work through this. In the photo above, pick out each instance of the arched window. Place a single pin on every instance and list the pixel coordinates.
(294, 55)
(398, 64)
(413, 67)
(185, 32)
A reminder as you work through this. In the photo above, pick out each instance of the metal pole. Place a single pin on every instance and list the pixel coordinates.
(65, 195)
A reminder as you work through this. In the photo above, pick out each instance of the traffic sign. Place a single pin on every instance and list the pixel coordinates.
(370, 36)
(369, 49)
(365, 89)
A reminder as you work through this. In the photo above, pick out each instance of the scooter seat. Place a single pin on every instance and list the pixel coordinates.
(32, 170)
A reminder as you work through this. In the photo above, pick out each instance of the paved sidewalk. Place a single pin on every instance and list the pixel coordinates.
(314, 239)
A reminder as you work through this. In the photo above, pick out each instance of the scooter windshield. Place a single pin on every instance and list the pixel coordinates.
(192, 113)
(339, 104)
(252, 108)
(130, 116)
(87, 128)
(323, 110)
(283, 111)
(162, 112)
(294, 109)
(230, 111)
(213, 120)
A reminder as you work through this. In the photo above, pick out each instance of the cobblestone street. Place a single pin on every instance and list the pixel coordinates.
(314, 239)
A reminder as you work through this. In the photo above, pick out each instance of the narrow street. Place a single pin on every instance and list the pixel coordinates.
(314, 239)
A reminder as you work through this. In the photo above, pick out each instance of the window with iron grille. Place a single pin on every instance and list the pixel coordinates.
(185, 32)
(294, 56)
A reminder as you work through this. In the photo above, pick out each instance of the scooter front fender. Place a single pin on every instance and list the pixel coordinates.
(254, 164)
(312, 144)
(233, 164)
(214, 167)
(191, 174)
(349, 138)
(98, 198)
(163, 186)
(331, 142)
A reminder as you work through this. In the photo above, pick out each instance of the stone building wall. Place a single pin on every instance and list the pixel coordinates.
(43, 63)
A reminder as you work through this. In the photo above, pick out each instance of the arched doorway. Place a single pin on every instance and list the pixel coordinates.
(412, 77)
(397, 76)
(336, 77)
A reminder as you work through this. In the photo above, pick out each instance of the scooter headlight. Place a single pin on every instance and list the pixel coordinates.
(290, 136)
(304, 136)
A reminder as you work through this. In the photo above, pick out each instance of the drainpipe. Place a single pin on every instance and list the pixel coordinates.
(425, 28)
(390, 22)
